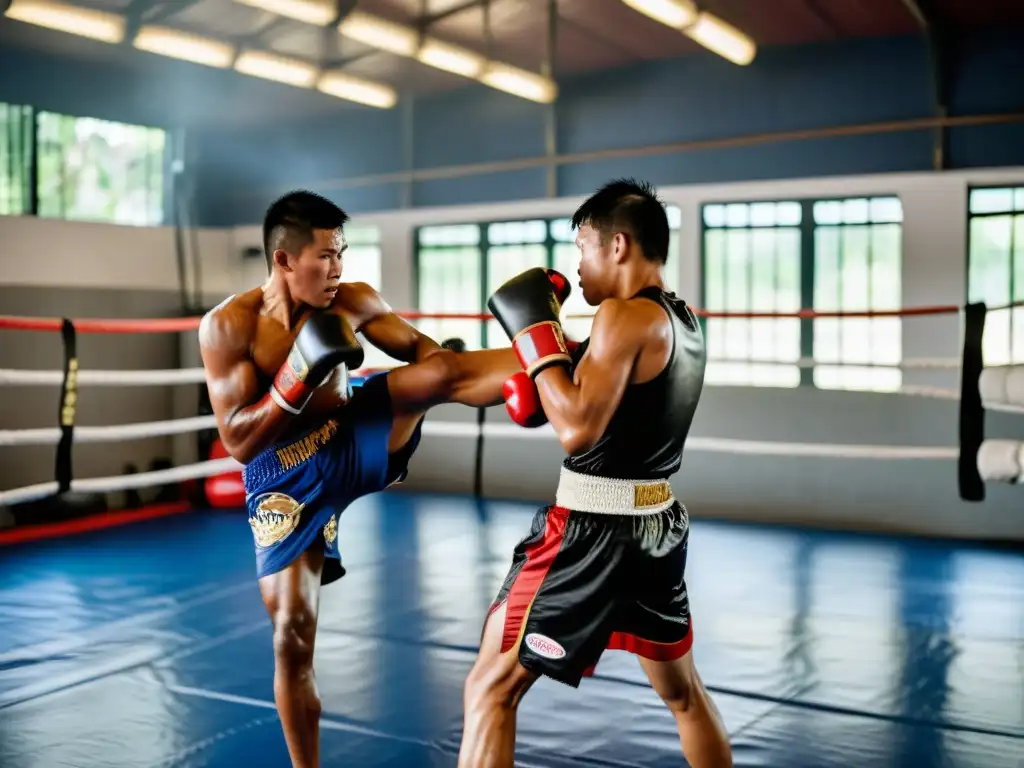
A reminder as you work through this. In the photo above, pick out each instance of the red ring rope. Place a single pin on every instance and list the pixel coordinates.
(177, 324)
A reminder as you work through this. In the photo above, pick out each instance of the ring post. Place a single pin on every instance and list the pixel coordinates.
(68, 407)
(972, 414)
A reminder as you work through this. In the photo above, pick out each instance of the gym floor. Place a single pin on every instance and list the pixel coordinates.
(147, 645)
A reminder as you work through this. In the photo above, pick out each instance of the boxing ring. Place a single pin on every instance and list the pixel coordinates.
(137, 637)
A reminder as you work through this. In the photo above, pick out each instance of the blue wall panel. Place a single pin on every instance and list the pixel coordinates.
(476, 125)
(485, 188)
(817, 157)
(240, 173)
(705, 97)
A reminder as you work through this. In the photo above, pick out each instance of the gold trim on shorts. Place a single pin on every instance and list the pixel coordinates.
(291, 455)
(277, 515)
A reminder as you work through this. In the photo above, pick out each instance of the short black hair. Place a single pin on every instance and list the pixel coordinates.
(630, 206)
(290, 221)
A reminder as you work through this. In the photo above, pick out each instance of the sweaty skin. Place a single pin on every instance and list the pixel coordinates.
(245, 341)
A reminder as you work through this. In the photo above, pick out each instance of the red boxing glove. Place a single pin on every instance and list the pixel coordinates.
(522, 401)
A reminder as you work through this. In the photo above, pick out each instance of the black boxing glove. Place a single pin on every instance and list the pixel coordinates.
(324, 342)
(527, 308)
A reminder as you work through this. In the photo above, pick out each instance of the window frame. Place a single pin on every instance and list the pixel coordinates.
(807, 229)
(28, 177)
(484, 245)
(971, 188)
(24, 173)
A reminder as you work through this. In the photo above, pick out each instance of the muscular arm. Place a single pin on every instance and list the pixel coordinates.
(580, 410)
(385, 329)
(248, 420)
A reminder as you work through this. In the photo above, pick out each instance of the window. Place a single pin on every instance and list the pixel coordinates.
(94, 170)
(449, 276)
(16, 136)
(832, 255)
(995, 270)
(362, 265)
(362, 259)
(858, 267)
(512, 247)
(460, 265)
(752, 263)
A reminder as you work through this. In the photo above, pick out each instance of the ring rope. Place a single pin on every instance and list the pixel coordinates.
(163, 428)
(472, 430)
(143, 430)
(1010, 453)
(122, 482)
(166, 377)
(109, 434)
(178, 324)
(178, 376)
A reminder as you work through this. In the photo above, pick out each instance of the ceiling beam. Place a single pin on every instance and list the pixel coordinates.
(344, 61)
(919, 14)
(825, 17)
(330, 41)
(938, 36)
(155, 12)
(425, 21)
(262, 34)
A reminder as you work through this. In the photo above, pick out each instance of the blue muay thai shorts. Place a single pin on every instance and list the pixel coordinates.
(296, 490)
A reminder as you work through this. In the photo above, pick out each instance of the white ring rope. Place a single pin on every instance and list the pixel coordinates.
(1001, 461)
(155, 378)
(109, 434)
(142, 430)
(715, 444)
(1003, 386)
(122, 482)
(175, 376)
(471, 429)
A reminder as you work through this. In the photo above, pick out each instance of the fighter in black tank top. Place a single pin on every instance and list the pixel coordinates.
(645, 438)
(603, 566)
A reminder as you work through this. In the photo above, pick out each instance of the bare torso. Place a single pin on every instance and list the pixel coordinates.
(269, 344)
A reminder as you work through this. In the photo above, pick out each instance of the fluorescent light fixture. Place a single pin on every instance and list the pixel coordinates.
(519, 82)
(406, 41)
(320, 13)
(355, 89)
(380, 33)
(450, 58)
(278, 68)
(184, 46)
(671, 13)
(722, 38)
(84, 22)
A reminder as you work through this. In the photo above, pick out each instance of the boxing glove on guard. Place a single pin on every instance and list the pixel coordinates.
(527, 308)
(323, 343)
(522, 401)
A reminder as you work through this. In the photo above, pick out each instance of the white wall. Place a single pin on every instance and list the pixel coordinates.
(917, 496)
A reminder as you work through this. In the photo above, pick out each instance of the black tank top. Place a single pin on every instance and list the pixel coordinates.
(644, 439)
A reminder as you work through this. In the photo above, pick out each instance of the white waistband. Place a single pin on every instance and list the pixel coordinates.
(610, 496)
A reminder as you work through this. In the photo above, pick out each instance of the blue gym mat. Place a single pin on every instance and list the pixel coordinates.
(148, 645)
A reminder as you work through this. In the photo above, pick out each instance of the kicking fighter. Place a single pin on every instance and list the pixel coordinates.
(277, 362)
(604, 566)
